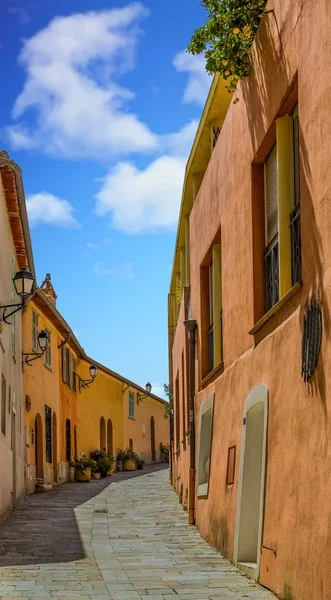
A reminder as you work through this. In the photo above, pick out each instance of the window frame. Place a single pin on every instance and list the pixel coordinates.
(295, 216)
(48, 351)
(3, 405)
(131, 405)
(271, 246)
(35, 326)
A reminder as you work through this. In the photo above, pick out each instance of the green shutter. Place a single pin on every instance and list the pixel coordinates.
(64, 365)
(13, 345)
(131, 405)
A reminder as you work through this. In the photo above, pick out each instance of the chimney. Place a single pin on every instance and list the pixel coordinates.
(48, 289)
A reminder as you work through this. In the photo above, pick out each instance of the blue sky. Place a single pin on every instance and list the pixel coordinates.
(100, 105)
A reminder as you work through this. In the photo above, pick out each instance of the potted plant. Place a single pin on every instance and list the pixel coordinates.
(104, 465)
(111, 468)
(140, 463)
(165, 452)
(129, 460)
(119, 460)
(95, 471)
(83, 467)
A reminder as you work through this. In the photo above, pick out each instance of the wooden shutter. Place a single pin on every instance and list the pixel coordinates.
(74, 380)
(271, 195)
(34, 331)
(68, 359)
(64, 365)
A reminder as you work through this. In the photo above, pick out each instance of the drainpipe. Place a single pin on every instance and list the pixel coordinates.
(191, 326)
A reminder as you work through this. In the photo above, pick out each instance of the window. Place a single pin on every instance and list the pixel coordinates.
(34, 331)
(13, 321)
(204, 447)
(74, 379)
(68, 363)
(131, 405)
(64, 365)
(68, 439)
(231, 465)
(131, 444)
(3, 405)
(48, 351)
(211, 317)
(271, 261)
(48, 433)
(295, 215)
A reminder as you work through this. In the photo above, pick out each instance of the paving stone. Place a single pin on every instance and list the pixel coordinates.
(59, 545)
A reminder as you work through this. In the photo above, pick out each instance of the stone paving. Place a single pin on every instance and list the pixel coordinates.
(119, 539)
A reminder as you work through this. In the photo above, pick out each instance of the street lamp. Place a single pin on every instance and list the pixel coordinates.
(84, 383)
(43, 341)
(148, 388)
(23, 282)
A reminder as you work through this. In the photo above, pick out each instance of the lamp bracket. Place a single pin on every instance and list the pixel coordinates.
(65, 341)
(5, 306)
(35, 355)
(126, 388)
(141, 397)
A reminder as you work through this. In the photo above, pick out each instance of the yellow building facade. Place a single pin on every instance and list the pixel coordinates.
(63, 417)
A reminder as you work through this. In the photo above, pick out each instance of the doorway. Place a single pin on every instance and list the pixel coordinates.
(39, 449)
(102, 434)
(153, 439)
(54, 445)
(110, 437)
(250, 501)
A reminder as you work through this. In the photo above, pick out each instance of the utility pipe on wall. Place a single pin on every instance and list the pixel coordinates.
(191, 326)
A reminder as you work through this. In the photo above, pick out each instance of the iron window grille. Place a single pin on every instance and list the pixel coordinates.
(211, 346)
(48, 433)
(295, 226)
(68, 439)
(311, 339)
(271, 269)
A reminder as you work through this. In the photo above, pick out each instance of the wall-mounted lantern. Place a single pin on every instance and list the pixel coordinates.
(148, 388)
(43, 341)
(23, 282)
(85, 383)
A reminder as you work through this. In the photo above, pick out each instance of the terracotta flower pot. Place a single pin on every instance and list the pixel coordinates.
(129, 465)
(80, 476)
(95, 475)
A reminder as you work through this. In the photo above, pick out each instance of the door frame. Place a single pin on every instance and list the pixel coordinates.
(258, 395)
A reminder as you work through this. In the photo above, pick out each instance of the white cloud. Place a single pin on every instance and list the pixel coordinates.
(124, 271)
(147, 199)
(95, 246)
(199, 81)
(44, 208)
(79, 108)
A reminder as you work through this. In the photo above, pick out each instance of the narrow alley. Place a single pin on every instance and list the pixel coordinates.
(124, 540)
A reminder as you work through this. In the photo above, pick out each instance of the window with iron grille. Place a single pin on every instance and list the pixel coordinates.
(295, 223)
(3, 405)
(48, 351)
(271, 260)
(48, 433)
(131, 405)
(34, 331)
(68, 439)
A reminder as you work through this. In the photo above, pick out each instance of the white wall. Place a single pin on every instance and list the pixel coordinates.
(11, 369)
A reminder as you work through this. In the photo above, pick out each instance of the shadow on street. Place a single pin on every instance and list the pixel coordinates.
(43, 528)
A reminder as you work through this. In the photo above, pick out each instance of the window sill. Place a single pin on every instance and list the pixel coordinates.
(132, 418)
(271, 313)
(202, 491)
(212, 375)
(49, 368)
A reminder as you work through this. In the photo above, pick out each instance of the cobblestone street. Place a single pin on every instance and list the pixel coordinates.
(123, 538)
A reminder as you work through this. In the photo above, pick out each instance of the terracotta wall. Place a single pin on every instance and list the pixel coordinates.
(293, 41)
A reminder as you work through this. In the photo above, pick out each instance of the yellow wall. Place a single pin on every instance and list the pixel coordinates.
(41, 384)
(139, 428)
(103, 398)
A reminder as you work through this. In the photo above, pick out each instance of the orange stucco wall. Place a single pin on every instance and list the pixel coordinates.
(138, 428)
(297, 506)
